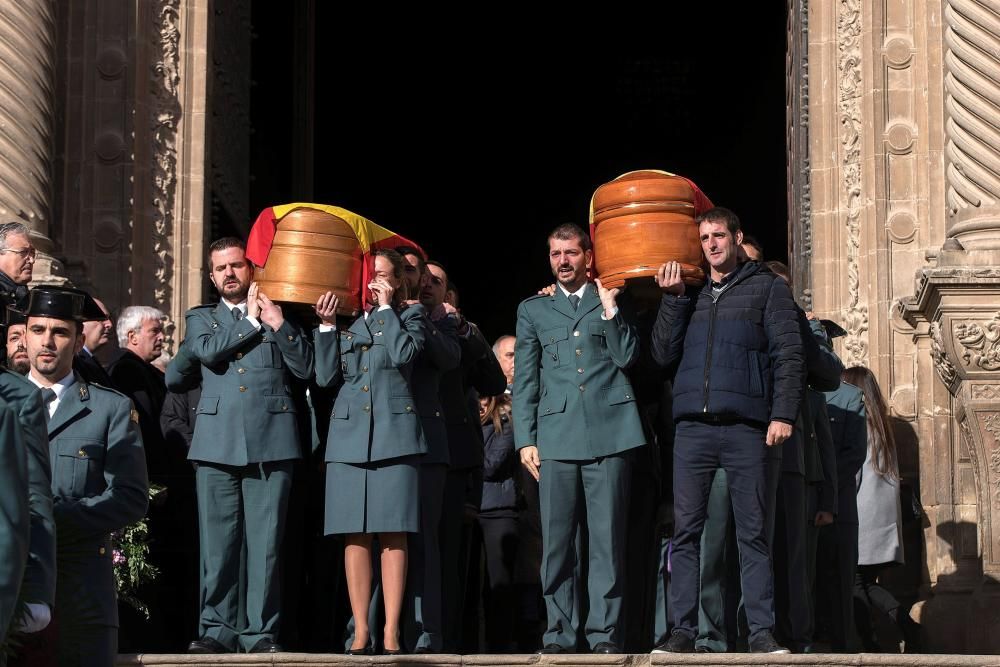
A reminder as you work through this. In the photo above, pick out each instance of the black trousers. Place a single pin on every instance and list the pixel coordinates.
(500, 546)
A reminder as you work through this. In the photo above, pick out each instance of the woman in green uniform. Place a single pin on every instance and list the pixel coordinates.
(375, 440)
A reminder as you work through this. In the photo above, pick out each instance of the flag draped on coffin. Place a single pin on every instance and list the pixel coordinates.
(370, 235)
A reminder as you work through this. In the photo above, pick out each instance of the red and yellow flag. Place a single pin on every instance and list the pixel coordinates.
(370, 236)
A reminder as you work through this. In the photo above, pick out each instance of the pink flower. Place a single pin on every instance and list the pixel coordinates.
(117, 557)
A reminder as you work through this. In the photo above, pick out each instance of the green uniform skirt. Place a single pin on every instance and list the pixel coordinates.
(375, 497)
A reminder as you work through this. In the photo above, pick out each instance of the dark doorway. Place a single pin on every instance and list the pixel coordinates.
(477, 144)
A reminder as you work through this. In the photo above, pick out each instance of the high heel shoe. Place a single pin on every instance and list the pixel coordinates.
(392, 651)
(366, 650)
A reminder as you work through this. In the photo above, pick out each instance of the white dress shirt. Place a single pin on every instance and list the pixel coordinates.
(243, 309)
(58, 388)
(579, 293)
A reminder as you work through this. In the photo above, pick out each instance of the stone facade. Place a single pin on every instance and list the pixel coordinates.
(110, 154)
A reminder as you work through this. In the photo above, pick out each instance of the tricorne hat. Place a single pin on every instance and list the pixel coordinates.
(63, 303)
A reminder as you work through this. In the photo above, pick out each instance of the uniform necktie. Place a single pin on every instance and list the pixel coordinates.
(237, 313)
(47, 397)
(574, 301)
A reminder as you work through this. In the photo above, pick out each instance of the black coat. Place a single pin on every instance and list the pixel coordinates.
(145, 385)
(499, 467)
(91, 370)
(739, 354)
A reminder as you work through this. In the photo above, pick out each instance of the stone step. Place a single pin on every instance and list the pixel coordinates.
(583, 660)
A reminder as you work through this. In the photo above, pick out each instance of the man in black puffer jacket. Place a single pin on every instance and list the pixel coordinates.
(740, 377)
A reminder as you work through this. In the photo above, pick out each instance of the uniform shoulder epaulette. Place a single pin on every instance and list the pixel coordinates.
(202, 306)
(535, 297)
(101, 387)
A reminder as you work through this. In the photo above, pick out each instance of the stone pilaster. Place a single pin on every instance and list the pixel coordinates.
(27, 73)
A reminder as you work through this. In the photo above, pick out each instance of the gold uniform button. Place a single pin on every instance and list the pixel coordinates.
(579, 370)
(239, 355)
(409, 409)
(579, 352)
(364, 388)
(291, 338)
(82, 454)
(552, 339)
(576, 333)
(241, 335)
(364, 348)
(284, 407)
(350, 338)
(102, 551)
(263, 337)
(437, 413)
(242, 388)
(581, 387)
(366, 408)
(628, 396)
(381, 321)
(364, 369)
(241, 371)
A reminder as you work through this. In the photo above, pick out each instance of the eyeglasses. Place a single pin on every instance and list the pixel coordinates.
(23, 252)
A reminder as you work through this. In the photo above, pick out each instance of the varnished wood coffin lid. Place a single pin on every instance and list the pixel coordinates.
(641, 220)
(313, 252)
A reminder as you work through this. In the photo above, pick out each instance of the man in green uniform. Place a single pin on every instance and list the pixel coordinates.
(99, 482)
(575, 418)
(14, 525)
(245, 440)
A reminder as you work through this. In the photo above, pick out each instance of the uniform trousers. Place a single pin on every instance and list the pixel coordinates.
(592, 494)
(238, 504)
(423, 626)
(699, 449)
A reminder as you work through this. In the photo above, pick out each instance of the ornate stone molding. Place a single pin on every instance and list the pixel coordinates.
(849, 27)
(165, 115)
(797, 140)
(945, 369)
(972, 102)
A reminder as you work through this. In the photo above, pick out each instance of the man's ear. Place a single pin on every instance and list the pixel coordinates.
(79, 341)
(589, 254)
(738, 237)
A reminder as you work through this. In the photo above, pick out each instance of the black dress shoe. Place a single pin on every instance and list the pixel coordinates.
(207, 645)
(551, 649)
(266, 646)
(607, 648)
(678, 642)
(366, 650)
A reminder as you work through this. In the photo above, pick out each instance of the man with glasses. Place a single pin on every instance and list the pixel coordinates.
(17, 260)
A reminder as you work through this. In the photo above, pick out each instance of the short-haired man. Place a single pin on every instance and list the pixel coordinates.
(441, 354)
(575, 420)
(245, 441)
(503, 348)
(93, 429)
(17, 352)
(740, 375)
(96, 337)
(17, 261)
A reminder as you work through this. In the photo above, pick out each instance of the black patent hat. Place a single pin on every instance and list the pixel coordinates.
(833, 330)
(62, 303)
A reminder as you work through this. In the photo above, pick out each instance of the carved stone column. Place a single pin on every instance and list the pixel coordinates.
(27, 72)
(957, 306)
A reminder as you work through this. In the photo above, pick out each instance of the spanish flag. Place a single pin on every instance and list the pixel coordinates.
(370, 236)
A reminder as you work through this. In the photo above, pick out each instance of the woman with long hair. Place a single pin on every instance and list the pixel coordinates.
(498, 522)
(880, 536)
(375, 441)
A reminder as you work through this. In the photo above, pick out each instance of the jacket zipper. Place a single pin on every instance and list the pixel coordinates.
(711, 340)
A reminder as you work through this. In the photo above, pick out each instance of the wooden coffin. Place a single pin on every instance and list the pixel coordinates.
(641, 220)
(313, 252)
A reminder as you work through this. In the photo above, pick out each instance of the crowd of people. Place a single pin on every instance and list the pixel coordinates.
(692, 473)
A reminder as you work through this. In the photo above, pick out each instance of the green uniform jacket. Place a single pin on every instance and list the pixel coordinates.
(374, 359)
(441, 354)
(246, 413)
(99, 485)
(572, 398)
(14, 520)
(465, 435)
(40, 576)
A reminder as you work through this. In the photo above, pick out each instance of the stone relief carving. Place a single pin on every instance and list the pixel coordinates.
(991, 425)
(849, 27)
(166, 111)
(945, 370)
(972, 99)
(797, 140)
(985, 392)
(980, 343)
